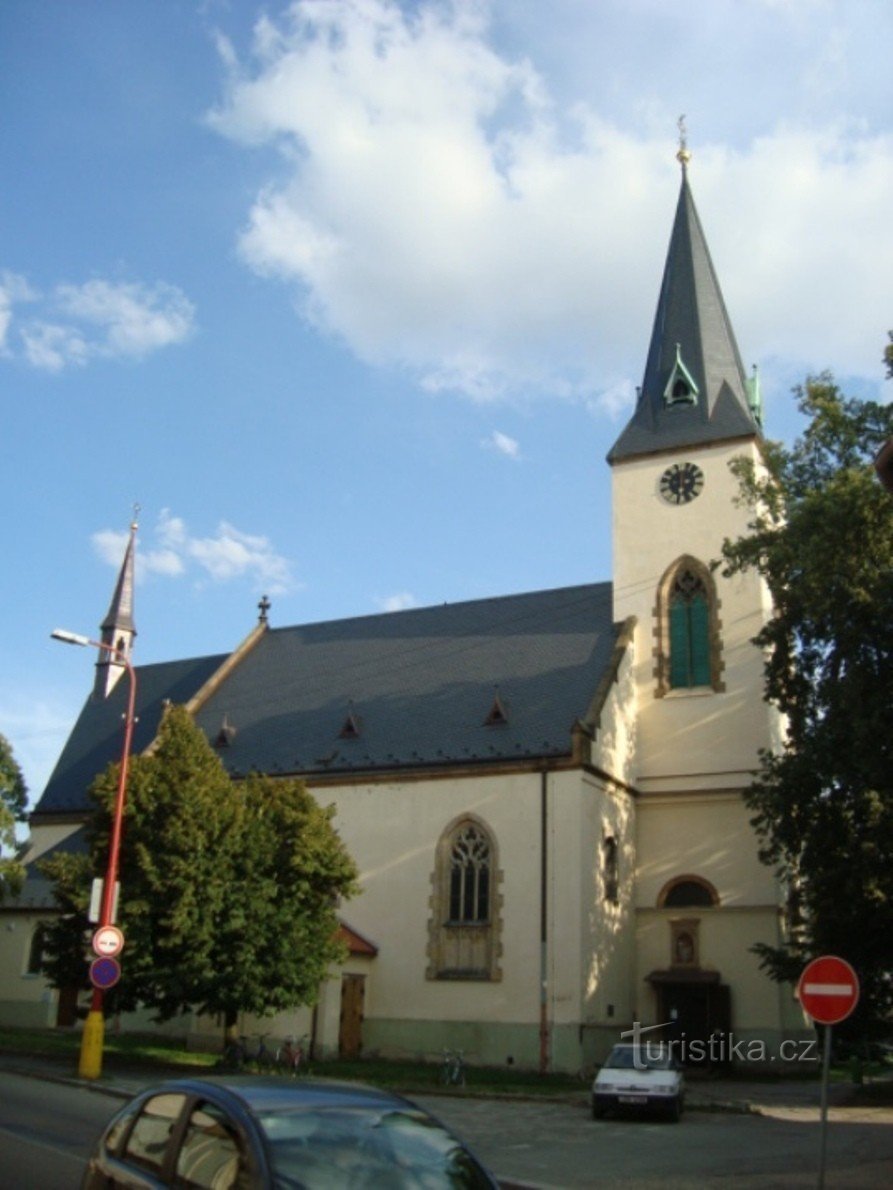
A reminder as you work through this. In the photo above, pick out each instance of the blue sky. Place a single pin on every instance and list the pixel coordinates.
(352, 297)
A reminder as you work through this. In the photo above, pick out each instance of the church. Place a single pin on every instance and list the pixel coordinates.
(542, 792)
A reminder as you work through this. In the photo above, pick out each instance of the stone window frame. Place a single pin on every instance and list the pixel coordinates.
(443, 933)
(661, 619)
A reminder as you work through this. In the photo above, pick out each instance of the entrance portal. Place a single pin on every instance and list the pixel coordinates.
(700, 1014)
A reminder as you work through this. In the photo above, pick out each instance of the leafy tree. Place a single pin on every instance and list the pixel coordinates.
(228, 890)
(13, 799)
(821, 535)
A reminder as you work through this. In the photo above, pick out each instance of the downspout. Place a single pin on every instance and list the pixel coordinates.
(544, 923)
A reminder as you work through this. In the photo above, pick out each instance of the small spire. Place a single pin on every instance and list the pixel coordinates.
(263, 607)
(683, 156)
(118, 628)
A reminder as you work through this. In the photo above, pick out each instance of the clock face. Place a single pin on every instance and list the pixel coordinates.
(681, 483)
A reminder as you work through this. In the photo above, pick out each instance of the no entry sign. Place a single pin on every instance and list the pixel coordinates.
(829, 989)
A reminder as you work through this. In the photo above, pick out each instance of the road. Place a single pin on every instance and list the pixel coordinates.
(560, 1145)
(46, 1130)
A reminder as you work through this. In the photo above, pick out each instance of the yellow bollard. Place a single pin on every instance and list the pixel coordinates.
(90, 1065)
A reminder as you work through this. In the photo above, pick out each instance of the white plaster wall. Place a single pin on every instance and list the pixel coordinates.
(37, 999)
(392, 830)
(706, 835)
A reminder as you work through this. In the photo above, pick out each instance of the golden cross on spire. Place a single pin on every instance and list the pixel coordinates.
(683, 156)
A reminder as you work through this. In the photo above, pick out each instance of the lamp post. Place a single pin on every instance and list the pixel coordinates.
(90, 1065)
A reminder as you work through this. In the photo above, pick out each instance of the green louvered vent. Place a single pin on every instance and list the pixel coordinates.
(689, 632)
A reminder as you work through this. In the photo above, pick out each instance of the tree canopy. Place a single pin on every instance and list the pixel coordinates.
(229, 890)
(13, 799)
(821, 535)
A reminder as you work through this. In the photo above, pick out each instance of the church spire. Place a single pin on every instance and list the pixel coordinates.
(118, 628)
(694, 390)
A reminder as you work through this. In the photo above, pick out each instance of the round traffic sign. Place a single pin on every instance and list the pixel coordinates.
(108, 941)
(828, 989)
(105, 973)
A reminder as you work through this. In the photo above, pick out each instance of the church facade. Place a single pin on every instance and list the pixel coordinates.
(542, 792)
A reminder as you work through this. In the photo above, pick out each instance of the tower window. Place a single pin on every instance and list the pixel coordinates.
(610, 876)
(689, 632)
(687, 629)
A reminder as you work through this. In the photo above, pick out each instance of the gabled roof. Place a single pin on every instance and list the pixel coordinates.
(692, 337)
(418, 685)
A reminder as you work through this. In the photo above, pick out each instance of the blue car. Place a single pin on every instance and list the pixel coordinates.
(243, 1132)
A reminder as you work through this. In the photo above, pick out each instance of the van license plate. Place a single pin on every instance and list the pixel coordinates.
(637, 1099)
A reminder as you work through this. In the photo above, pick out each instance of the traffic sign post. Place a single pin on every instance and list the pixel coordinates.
(828, 991)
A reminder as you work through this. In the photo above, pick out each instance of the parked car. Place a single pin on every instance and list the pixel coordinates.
(643, 1076)
(242, 1133)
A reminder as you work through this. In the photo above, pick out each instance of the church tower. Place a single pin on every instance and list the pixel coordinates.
(117, 629)
(702, 897)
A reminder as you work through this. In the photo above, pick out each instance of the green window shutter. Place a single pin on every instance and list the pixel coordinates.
(679, 634)
(699, 641)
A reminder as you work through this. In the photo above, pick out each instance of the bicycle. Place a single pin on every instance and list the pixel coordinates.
(290, 1057)
(452, 1072)
(235, 1054)
(263, 1058)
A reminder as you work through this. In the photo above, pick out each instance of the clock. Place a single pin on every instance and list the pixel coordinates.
(681, 483)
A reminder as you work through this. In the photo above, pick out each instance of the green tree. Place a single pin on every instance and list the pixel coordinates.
(821, 535)
(13, 799)
(228, 890)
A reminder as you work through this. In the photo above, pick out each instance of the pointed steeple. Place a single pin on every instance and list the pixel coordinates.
(118, 628)
(694, 391)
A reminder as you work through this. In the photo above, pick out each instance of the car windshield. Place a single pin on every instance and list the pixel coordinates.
(339, 1148)
(639, 1057)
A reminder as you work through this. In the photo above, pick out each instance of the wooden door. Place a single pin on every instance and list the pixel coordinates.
(350, 1033)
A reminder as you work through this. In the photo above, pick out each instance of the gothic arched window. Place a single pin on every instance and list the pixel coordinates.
(470, 876)
(464, 925)
(687, 629)
(689, 632)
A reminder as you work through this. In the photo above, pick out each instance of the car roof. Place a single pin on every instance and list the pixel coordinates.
(276, 1094)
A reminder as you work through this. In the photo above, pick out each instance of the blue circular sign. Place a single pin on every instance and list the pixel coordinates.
(105, 973)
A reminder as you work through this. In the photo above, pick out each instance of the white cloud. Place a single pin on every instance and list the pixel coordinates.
(135, 319)
(503, 444)
(52, 348)
(96, 320)
(438, 210)
(397, 603)
(13, 288)
(172, 551)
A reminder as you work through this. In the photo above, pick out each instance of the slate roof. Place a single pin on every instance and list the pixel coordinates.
(97, 735)
(413, 688)
(691, 314)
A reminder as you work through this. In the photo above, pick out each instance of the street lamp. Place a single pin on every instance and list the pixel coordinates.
(90, 1065)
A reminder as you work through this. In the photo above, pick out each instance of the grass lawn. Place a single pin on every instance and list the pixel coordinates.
(167, 1055)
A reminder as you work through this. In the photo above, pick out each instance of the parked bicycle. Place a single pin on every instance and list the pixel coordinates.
(291, 1056)
(452, 1072)
(238, 1057)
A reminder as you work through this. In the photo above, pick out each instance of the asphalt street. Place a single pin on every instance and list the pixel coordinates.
(48, 1123)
